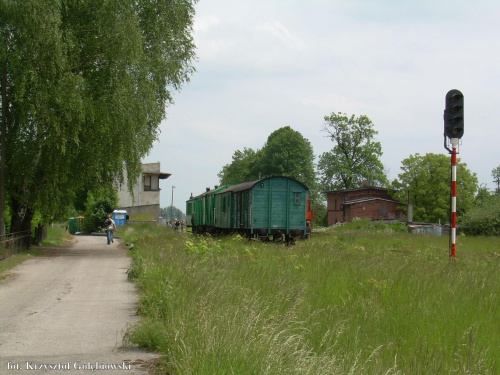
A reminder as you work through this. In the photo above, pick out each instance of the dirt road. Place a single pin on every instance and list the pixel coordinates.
(66, 312)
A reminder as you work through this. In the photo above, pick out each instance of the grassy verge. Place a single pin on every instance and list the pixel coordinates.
(56, 236)
(354, 300)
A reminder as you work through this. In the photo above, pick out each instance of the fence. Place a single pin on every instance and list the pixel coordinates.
(14, 242)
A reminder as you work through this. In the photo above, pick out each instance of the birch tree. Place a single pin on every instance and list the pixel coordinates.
(85, 85)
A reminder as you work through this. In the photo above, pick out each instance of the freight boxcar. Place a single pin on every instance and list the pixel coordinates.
(203, 207)
(273, 208)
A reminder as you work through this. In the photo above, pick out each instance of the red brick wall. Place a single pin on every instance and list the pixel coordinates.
(371, 210)
(362, 210)
(335, 211)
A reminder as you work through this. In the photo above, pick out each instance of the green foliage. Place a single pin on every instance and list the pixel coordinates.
(356, 299)
(495, 173)
(427, 178)
(286, 153)
(320, 213)
(355, 156)
(57, 235)
(369, 226)
(244, 167)
(98, 208)
(87, 87)
(483, 219)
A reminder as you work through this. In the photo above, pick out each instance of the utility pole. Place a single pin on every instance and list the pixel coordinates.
(172, 206)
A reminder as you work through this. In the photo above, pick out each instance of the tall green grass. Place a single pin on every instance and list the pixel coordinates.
(360, 299)
(57, 235)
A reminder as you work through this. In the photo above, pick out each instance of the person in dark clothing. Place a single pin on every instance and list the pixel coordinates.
(109, 227)
(193, 226)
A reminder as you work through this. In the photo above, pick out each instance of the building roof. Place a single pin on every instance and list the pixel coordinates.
(356, 189)
(154, 168)
(361, 200)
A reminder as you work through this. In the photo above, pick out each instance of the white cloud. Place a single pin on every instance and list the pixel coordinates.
(266, 64)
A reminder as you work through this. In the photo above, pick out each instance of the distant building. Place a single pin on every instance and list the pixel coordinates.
(145, 202)
(368, 202)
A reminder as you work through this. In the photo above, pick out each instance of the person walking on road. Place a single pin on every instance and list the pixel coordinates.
(109, 227)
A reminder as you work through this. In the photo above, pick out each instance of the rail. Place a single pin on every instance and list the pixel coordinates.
(14, 242)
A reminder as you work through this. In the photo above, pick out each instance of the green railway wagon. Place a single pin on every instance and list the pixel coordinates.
(190, 211)
(224, 210)
(203, 207)
(271, 207)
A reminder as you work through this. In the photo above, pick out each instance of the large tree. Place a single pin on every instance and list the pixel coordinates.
(286, 153)
(243, 168)
(355, 156)
(84, 89)
(427, 180)
(495, 173)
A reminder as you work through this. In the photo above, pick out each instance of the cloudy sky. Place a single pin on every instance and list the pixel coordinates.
(265, 64)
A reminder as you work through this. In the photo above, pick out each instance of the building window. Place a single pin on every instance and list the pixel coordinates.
(147, 183)
(297, 199)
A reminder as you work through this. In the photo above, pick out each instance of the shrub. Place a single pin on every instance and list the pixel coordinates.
(97, 209)
(483, 219)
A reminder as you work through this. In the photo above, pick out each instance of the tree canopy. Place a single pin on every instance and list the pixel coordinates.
(495, 173)
(286, 153)
(356, 155)
(85, 86)
(427, 178)
(244, 167)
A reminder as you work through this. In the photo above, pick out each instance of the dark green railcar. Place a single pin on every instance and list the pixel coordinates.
(272, 207)
(203, 207)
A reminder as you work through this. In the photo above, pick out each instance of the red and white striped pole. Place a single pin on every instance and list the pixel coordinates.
(453, 234)
(453, 130)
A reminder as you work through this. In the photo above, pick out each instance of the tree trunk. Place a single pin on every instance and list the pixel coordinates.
(21, 217)
(2, 146)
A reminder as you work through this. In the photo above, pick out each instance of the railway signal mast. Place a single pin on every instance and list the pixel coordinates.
(453, 131)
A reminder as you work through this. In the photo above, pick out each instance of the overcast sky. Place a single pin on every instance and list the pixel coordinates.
(265, 64)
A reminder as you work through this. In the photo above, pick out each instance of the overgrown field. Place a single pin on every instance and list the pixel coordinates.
(360, 299)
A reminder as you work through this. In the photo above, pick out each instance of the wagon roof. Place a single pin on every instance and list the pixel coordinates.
(248, 185)
(212, 191)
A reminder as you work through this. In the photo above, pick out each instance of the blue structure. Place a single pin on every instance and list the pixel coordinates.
(120, 217)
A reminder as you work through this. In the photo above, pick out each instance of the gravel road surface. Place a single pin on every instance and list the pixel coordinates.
(66, 312)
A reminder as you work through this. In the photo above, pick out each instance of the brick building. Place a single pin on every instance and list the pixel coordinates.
(365, 203)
